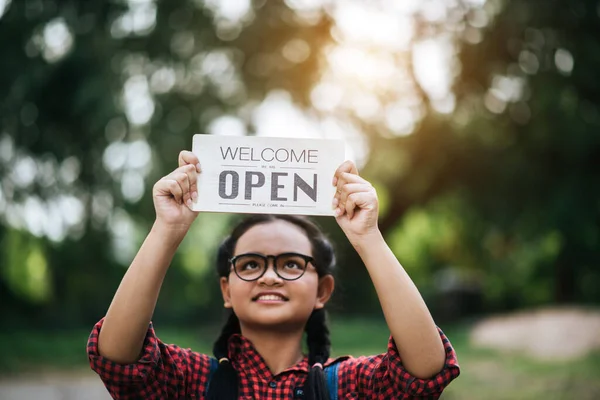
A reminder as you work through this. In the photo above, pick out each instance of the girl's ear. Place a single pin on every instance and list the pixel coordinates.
(324, 291)
(225, 292)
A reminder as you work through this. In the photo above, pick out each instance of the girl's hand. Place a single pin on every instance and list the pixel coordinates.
(355, 203)
(173, 194)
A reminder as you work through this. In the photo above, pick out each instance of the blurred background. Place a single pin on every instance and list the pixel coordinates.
(478, 121)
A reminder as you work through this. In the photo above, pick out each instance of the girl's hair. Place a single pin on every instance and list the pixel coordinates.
(224, 382)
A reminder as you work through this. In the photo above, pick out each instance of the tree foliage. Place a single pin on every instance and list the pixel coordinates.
(490, 190)
(505, 187)
(100, 97)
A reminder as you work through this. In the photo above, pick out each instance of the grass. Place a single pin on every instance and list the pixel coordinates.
(484, 374)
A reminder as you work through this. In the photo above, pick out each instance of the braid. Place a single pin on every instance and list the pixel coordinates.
(317, 338)
(224, 382)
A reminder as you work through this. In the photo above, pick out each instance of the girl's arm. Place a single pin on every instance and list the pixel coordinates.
(126, 323)
(411, 325)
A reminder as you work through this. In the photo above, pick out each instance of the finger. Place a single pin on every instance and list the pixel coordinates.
(350, 188)
(190, 170)
(353, 178)
(169, 187)
(346, 178)
(350, 205)
(184, 182)
(358, 200)
(346, 166)
(335, 202)
(187, 157)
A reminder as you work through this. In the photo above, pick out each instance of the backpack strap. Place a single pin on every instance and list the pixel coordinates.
(331, 375)
(214, 364)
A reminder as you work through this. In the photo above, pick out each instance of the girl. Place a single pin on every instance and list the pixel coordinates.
(275, 278)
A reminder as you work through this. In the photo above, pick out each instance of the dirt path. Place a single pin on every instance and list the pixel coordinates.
(552, 333)
(77, 386)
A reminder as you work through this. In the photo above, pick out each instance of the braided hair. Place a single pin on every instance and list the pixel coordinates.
(224, 383)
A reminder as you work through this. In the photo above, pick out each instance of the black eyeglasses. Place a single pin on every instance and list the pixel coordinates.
(288, 266)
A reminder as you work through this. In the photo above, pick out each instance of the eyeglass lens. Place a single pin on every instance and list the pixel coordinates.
(287, 266)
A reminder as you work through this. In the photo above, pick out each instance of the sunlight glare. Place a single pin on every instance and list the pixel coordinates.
(4, 4)
(445, 105)
(57, 40)
(366, 106)
(357, 144)
(7, 149)
(69, 170)
(432, 60)
(34, 214)
(55, 227)
(163, 80)
(231, 10)
(72, 209)
(375, 69)
(123, 230)
(139, 155)
(140, 19)
(24, 171)
(132, 185)
(296, 50)
(277, 116)
(564, 61)
(400, 119)
(361, 24)
(434, 10)
(102, 205)
(227, 125)
(114, 156)
(368, 74)
(406, 7)
(326, 96)
(305, 5)
(475, 3)
(139, 106)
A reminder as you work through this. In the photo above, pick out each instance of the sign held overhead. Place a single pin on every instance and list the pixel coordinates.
(265, 175)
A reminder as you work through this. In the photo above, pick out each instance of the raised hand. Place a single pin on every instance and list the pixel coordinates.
(174, 193)
(355, 203)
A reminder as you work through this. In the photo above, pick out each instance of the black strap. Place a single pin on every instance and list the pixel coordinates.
(331, 375)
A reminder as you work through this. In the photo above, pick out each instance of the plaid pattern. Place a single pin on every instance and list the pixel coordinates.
(167, 371)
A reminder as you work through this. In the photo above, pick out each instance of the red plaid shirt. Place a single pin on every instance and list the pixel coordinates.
(169, 372)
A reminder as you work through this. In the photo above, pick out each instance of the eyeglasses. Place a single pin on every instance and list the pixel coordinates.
(288, 266)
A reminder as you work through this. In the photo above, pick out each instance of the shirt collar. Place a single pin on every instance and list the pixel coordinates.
(243, 354)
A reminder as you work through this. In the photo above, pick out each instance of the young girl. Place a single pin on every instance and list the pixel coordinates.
(275, 280)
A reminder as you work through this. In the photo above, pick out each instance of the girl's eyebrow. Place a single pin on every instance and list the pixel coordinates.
(275, 255)
(281, 252)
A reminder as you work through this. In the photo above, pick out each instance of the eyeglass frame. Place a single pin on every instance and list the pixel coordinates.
(307, 260)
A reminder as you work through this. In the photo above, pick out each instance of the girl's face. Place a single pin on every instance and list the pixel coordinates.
(270, 300)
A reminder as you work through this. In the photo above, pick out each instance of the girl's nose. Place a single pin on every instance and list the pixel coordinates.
(270, 277)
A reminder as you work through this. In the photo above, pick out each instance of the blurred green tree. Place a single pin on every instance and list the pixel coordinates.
(502, 194)
(98, 100)
(488, 186)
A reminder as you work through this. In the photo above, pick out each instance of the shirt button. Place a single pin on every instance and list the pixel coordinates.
(273, 385)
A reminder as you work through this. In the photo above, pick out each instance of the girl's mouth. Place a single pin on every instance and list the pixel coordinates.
(270, 298)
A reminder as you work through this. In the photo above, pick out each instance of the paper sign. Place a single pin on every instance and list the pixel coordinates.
(266, 175)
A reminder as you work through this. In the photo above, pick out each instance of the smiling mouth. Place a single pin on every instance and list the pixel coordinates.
(269, 297)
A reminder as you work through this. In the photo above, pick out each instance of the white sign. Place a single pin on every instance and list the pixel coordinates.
(263, 175)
